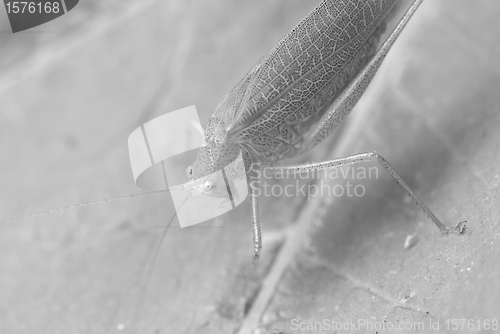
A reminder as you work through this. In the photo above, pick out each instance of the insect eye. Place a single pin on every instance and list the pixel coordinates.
(208, 187)
(189, 172)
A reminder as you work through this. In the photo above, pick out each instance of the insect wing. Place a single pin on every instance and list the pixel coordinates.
(302, 75)
(225, 112)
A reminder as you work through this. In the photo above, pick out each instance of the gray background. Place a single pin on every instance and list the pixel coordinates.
(72, 90)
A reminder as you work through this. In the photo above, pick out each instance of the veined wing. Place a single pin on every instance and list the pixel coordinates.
(305, 71)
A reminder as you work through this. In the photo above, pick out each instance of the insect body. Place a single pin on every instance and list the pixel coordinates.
(294, 97)
(299, 92)
(270, 113)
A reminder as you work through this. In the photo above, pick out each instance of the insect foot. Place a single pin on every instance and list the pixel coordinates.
(460, 228)
(256, 257)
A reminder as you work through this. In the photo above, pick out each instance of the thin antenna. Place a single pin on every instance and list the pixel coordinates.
(145, 285)
(82, 204)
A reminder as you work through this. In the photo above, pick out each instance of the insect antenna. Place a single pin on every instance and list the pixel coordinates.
(100, 201)
(145, 285)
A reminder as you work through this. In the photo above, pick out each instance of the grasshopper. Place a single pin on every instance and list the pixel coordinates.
(292, 99)
(297, 94)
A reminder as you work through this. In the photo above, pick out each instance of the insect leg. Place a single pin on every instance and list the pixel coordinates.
(371, 156)
(256, 229)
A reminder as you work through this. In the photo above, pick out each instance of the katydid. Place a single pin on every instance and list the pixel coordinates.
(294, 97)
(298, 93)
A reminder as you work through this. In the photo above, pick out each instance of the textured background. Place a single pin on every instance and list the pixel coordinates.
(72, 90)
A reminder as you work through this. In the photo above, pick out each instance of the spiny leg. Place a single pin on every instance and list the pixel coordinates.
(256, 229)
(371, 156)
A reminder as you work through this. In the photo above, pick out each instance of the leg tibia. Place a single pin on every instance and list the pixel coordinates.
(369, 156)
